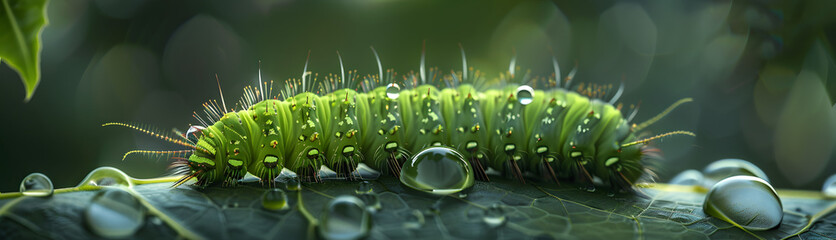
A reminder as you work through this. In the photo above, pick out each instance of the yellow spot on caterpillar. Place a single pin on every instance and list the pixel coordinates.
(611, 161)
(313, 152)
(235, 162)
(510, 147)
(471, 145)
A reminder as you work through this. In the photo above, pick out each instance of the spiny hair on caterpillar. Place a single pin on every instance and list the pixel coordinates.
(340, 123)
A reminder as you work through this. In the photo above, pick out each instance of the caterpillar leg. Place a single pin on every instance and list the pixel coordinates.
(515, 168)
(479, 170)
(394, 165)
(547, 168)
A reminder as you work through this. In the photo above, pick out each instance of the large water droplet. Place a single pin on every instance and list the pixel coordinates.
(437, 170)
(274, 199)
(494, 216)
(525, 94)
(829, 188)
(364, 187)
(345, 218)
(106, 176)
(393, 91)
(724, 168)
(746, 201)
(36, 185)
(114, 214)
(688, 177)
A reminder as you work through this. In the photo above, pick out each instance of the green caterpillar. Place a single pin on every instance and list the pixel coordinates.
(515, 129)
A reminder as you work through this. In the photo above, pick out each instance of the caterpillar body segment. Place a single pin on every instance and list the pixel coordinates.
(268, 137)
(467, 130)
(382, 131)
(343, 134)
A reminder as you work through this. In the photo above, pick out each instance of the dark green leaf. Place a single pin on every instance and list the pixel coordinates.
(21, 23)
(532, 211)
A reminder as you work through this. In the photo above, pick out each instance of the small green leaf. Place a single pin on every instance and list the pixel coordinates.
(21, 24)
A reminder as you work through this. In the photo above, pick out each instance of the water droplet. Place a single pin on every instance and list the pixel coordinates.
(274, 199)
(494, 216)
(345, 218)
(194, 133)
(746, 201)
(364, 187)
(114, 213)
(372, 201)
(437, 170)
(393, 91)
(525, 94)
(829, 188)
(688, 178)
(292, 184)
(36, 185)
(724, 168)
(106, 176)
(414, 220)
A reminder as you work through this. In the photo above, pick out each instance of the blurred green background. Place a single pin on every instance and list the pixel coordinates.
(762, 73)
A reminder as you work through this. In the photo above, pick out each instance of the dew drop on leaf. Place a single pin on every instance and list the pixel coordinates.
(36, 185)
(393, 91)
(114, 213)
(437, 170)
(274, 199)
(106, 176)
(494, 216)
(688, 177)
(372, 201)
(292, 184)
(725, 168)
(345, 218)
(746, 201)
(415, 220)
(525, 94)
(829, 188)
(364, 187)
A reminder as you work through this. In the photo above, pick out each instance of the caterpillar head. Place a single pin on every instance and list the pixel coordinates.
(202, 169)
(621, 167)
(202, 163)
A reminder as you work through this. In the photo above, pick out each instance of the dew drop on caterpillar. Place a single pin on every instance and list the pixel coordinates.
(526, 127)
